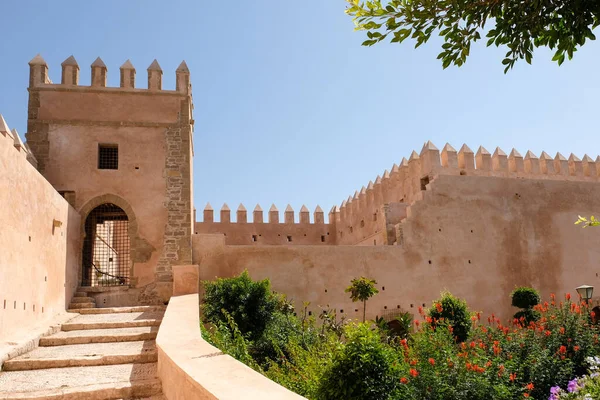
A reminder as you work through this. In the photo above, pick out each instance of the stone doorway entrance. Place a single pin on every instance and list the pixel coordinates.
(106, 247)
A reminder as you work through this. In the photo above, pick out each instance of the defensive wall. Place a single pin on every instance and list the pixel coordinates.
(150, 131)
(40, 241)
(474, 224)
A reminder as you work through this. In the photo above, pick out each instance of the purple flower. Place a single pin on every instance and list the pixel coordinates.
(554, 393)
(572, 386)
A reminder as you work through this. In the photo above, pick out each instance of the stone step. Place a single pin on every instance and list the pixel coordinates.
(84, 355)
(80, 294)
(125, 381)
(100, 336)
(121, 310)
(76, 306)
(114, 320)
(82, 299)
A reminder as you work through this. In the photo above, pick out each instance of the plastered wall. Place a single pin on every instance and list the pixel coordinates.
(476, 236)
(40, 242)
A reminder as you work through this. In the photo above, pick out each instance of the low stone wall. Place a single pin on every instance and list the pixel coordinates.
(189, 367)
(39, 248)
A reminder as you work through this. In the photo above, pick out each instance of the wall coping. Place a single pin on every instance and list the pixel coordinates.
(190, 368)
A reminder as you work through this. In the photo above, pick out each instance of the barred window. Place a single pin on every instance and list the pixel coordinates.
(108, 156)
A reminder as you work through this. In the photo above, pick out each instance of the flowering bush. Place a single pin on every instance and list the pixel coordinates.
(490, 359)
(584, 388)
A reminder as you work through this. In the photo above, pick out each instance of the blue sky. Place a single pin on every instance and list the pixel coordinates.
(289, 107)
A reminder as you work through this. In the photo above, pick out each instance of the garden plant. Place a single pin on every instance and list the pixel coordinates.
(450, 353)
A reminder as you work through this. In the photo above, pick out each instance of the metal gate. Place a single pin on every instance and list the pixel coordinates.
(106, 247)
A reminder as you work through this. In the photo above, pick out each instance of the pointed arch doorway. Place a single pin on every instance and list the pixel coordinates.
(106, 253)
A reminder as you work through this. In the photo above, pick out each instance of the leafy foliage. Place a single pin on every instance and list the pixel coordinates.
(251, 304)
(453, 312)
(496, 360)
(591, 222)
(362, 289)
(521, 26)
(525, 297)
(362, 370)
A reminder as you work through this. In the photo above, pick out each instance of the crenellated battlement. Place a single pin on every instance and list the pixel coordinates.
(289, 216)
(12, 137)
(371, 214)
(357, 216)
(273, 230)
(39, 78)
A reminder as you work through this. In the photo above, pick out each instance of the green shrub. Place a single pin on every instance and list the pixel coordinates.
(528, 315)
(273, 343)
(362, 369)
(453, 312)
(251, 304)
(525, 297)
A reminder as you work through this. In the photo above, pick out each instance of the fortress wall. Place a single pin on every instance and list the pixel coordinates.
(406, 182)
(40, 241)
(476, 236)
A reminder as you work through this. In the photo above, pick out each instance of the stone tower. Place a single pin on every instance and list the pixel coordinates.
(122, 157)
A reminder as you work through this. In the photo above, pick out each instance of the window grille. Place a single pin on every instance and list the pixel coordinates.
(108, 156)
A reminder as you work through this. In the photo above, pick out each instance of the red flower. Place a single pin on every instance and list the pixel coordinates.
(562, 350)
(414, 373)
(500, 370)
(547, 333)
(513, 376)
(438, 307)
(562, 330)
(576, 348)
(431, 361)
(568, 296)
(417, 322)
(525, 394)
(403, 380)
(529, 386)
(413, 362)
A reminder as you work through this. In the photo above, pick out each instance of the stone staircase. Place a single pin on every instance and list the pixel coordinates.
(101, 354)
(81, 301)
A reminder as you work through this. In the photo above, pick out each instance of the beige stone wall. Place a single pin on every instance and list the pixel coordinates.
(40, 246)
(476, 236)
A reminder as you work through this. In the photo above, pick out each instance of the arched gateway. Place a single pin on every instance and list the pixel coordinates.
(106, 247)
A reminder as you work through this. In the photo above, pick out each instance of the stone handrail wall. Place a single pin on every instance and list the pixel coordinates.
(189, 367)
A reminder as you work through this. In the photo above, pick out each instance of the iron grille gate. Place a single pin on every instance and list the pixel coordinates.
(106, 247)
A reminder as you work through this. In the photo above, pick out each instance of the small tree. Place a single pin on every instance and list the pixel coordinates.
(525, 298)
(363, 368)
(454, 312)
(362, 289)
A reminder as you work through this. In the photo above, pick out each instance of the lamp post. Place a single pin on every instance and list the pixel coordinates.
(585, 291)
